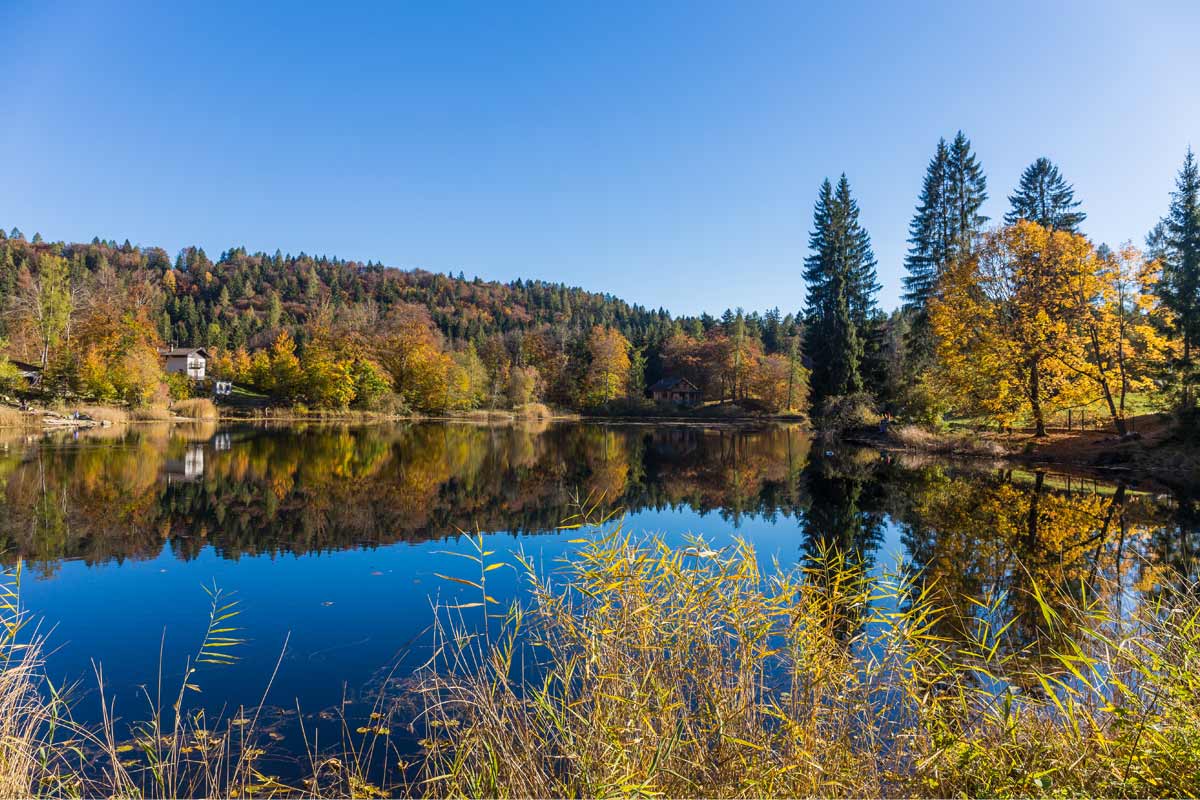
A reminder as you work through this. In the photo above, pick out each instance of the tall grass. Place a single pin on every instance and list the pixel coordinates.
(650, 669)
(196, 408)
(109, 414)
(956, 444)
(690, 671)
(12, 417)
(35, 754)
(149, 413)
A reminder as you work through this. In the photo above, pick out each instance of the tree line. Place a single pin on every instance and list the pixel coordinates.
(339, 334)
(1009, 323)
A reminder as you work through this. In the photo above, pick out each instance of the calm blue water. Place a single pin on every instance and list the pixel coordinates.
(331, 538)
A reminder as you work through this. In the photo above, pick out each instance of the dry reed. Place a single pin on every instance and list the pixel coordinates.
(196, 408)
(692, 671)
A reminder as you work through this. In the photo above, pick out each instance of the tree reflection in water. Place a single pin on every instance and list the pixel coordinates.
(128, 494)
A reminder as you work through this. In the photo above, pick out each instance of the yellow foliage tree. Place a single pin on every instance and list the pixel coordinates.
(608, 372)
(1119, 341)
(286, 373)
(1006, 321)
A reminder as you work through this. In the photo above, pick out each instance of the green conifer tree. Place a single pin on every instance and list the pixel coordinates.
(840, 278)
(1044, 196)
(943, 228)
(1176, 242)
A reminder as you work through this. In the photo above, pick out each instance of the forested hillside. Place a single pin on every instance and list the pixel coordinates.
(84, 309)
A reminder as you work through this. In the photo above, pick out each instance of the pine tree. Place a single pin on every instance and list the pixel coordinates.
(862, 283)
(1044, 196)
(967, 192)
(1176, 242)
(841, 283)
(945, 225)
(927, 233)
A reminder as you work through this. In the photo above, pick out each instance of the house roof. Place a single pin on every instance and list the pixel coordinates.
(673, 385)
(25, 366)
(183, 351)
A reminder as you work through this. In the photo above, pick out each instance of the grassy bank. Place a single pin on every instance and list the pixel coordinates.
(641, 668)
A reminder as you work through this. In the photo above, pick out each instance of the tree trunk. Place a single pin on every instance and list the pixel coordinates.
(1035, 398)
(1118, 419)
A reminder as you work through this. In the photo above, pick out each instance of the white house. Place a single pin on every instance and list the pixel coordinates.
(188, 360)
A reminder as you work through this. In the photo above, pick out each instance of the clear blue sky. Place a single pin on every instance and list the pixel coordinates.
(667, 152)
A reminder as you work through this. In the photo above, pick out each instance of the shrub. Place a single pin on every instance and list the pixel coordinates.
(918, 402)
(388, 403)
(847, 412)
(11, 379)
(179, 386)
(196, 408)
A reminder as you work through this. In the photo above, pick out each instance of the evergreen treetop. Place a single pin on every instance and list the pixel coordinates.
(1044, 196)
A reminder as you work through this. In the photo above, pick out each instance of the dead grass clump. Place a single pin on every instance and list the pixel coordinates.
(12, 417)
(150, 414)
(196, 408)
(108, 414)
(957, 444)
(533, 411)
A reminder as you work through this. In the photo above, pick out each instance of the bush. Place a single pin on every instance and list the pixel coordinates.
(197, 408)
(388, 403)
(11, 379)
(179, 386)
(919, 403)
(847, 412)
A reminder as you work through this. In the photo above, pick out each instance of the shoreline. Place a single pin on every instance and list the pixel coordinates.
(1153, 459)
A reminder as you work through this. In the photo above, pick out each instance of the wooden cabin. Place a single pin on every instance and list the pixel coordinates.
(679, 391)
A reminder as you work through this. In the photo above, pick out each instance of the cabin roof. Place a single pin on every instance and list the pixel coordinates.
(673, 385)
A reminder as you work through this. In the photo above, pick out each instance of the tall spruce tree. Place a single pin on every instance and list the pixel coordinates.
(1044, 196)
(945, 224)
(841, 281)
(1176, 243)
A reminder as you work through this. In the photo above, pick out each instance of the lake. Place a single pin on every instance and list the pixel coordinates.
(332, 538)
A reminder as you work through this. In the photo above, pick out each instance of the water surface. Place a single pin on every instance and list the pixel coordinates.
(332, 538)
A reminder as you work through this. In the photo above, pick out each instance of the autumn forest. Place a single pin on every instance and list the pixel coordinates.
(1005, 322)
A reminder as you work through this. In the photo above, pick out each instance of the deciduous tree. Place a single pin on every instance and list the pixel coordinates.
(608, 368)
(1006, 320)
